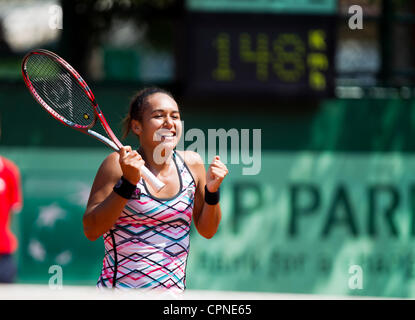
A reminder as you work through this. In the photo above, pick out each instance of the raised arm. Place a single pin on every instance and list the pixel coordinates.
(206, 216)
(104, 205)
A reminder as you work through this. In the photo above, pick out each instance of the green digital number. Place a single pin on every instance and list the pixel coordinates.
(223, 71)
(260, 56)
(289, 63)
(286, 56)
(317, 61)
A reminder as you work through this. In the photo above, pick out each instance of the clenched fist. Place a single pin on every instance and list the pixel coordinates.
(215, 174)
(131, 163)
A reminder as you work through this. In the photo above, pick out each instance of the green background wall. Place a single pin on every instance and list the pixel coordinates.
(335, 190)
(330, 125)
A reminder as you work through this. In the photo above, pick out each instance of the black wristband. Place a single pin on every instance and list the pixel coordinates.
(211, 198)
(124, 188)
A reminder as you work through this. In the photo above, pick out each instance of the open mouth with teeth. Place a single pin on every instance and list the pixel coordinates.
(166, 136)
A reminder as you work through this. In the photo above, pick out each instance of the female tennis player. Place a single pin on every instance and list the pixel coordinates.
(146, 233)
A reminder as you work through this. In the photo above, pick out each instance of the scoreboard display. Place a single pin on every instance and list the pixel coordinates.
(251, 54)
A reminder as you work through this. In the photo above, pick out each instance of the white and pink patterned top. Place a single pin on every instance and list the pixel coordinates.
(148, 245)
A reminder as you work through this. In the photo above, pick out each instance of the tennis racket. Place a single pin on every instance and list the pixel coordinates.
(62, 92)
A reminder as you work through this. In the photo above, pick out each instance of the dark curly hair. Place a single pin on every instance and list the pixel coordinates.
(137, 106)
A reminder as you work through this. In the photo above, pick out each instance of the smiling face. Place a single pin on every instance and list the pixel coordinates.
(160, 124)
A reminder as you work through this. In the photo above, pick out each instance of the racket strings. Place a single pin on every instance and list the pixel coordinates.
(59, 89)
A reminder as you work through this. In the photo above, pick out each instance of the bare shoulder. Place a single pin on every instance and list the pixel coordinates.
(191, 158)
(107, 176)
(195, 164)
(113, 157)
(110, 167)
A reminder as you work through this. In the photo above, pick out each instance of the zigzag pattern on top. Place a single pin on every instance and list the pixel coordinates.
(149, 244)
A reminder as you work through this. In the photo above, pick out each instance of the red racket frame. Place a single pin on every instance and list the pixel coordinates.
(98, 114)
(113, 142)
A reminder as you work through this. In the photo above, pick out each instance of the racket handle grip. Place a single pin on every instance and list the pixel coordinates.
(155, 183)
